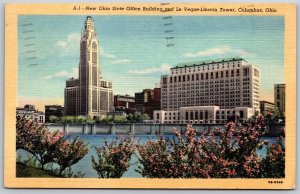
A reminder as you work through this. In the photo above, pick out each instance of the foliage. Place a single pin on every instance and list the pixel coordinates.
(37, 140)
(48, 147)
(210, 156)
(69, 153)
(54, 119)
(273, 164)
(113, 159)
(137, 117)
(274, 116)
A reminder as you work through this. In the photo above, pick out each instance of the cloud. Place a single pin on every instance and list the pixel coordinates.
(107, 54)
(222, 50)
(120, 61)
(70, 42)
(112, 58)
(163, 68)
(63, 74)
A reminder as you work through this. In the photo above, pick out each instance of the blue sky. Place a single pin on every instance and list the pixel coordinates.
(133, 51)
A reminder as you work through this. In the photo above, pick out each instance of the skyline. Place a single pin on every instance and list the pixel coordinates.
(123, 37)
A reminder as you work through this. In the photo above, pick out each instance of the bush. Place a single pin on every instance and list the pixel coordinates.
(209, 156)
(113, 159)
(69, 153)
(273, 164)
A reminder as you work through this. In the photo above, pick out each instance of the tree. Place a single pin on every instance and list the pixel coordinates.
(69, 153)
(48, 147)
(113, 159)
(37, 140)
(225, 156)
(145, 116)
(119, 119)
(54, 119)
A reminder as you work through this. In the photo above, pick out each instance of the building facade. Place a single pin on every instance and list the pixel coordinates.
(202, 114)
(53, 110)
(124, 103)
(29, 111)
(148, 100)
(266, 106)
(279, 97)
(227, 83)
(89, 95)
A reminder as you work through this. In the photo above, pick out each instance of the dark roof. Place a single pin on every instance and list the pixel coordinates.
(206, 62)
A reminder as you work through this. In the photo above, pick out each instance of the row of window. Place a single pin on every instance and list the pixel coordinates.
(206, 76)
(217, 66)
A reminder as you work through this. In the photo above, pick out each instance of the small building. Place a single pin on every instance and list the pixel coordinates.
(53, 110)
(148, 100)
(30, 111)
(266, 106)
(279, 97)
(124, 103)
(202, 114)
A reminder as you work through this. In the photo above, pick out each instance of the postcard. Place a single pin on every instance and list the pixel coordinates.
(165, 96)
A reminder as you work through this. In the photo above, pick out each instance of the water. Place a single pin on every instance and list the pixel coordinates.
(85, 164)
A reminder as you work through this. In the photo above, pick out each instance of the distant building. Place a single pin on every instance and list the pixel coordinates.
(124, 103)
(89, 95)
(279, 97)
(148, 100)
(201, 114)
(53, 110)
(266, 106)
(31, 112)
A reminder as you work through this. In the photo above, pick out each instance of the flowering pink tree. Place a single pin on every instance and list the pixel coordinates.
(48, 147)
(226, 153)
(37, 140)
(70, 152)
(113, 159)
(273, 164)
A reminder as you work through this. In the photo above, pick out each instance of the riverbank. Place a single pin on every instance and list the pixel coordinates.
(22, 170)
(272, 130)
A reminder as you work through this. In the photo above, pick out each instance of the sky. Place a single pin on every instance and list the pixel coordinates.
(134, 52)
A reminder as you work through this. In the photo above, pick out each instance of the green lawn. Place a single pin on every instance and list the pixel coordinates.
(26, 171)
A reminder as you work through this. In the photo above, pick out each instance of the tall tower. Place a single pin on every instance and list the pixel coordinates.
(90, 95)
(89, 70)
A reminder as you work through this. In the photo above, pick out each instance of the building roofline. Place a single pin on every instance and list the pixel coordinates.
(206, 62)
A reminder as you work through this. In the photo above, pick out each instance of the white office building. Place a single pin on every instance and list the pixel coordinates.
(230, 84)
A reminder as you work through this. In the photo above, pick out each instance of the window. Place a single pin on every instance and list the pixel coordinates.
(170, 79)
(245, 71)
(211, 75)
(232, 73)
(227, 73)
(222, 74)
(217, 74)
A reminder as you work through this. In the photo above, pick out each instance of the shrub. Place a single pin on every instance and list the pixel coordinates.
(210, 156)
(69, 153)
(273, 164)
(113, 159)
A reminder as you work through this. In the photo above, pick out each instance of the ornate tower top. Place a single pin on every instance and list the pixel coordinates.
(89, 31)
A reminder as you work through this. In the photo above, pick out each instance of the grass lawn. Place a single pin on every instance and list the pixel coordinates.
(26, 171)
